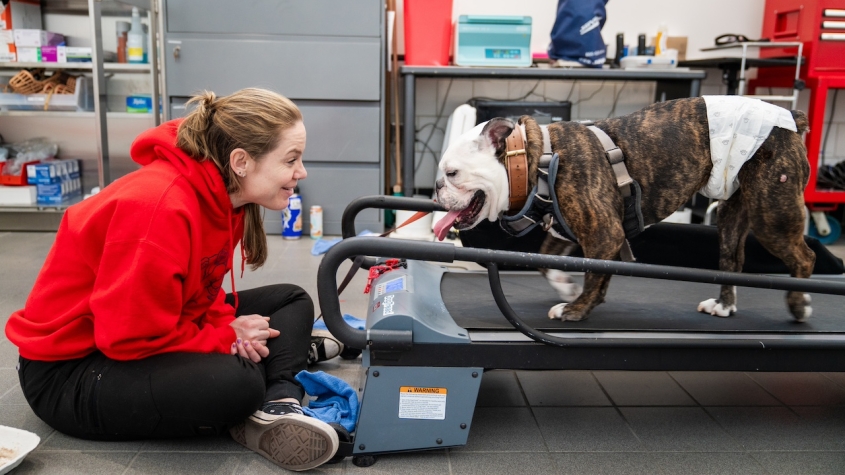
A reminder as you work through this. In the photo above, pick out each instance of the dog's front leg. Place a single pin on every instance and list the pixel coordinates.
(595, 288)
(566, 288)
(597, 245)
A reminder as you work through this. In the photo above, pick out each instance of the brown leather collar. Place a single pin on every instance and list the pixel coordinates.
(516, 163)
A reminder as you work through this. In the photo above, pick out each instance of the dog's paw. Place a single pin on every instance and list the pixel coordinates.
(802, 314)
(563, 284)
(715, 308)
(568, 314)
(556, 312)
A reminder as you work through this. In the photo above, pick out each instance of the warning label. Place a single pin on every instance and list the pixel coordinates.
(422, 403)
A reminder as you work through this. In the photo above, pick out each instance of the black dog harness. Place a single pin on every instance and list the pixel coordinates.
(542, 206)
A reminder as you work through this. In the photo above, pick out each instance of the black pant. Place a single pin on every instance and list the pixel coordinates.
(175, 394)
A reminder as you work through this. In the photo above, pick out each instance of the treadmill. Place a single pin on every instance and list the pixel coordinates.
(432, 332)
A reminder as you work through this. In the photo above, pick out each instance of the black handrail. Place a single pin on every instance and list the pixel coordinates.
(347, 222)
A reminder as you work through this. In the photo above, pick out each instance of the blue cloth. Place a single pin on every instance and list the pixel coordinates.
(336, 400)
(349, 319)
(322, 246)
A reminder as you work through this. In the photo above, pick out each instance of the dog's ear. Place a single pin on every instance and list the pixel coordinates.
(496, 132)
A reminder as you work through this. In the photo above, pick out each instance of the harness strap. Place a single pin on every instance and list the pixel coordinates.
(616, 159)
(516, 162)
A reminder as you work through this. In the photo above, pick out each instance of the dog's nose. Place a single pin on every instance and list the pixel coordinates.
(439, 184)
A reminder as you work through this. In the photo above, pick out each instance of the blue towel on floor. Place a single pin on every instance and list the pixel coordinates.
(322, 246)
(336, 400)
(349, 319)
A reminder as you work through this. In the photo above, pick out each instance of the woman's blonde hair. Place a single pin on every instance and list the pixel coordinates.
(251, 119)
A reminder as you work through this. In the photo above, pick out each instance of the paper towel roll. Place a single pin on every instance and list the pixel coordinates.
(419, 229)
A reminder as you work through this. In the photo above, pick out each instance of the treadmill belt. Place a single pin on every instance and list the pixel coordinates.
(633, 303)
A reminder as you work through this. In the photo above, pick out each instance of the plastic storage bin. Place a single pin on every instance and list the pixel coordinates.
(82, 99)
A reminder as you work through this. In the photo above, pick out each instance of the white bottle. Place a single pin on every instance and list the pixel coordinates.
(135, 39)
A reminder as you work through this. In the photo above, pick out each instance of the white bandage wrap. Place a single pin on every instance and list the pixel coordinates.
(738, 126)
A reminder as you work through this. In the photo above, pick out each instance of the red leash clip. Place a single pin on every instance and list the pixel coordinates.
(378, 270)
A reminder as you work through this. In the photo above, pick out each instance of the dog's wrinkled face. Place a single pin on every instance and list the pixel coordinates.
(474, 185)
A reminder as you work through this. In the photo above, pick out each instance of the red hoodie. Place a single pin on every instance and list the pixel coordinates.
(136, 270)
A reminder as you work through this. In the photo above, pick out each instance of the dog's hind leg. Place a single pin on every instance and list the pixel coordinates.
(773, 192)
(732, 222)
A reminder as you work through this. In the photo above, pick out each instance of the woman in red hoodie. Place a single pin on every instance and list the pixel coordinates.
(127, 333)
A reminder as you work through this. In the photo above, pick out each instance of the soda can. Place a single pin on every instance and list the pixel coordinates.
(292, 218)
(316, 222)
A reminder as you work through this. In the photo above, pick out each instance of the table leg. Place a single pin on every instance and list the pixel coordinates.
(409, 132)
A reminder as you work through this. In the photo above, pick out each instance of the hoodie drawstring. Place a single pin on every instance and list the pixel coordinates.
(232, 259)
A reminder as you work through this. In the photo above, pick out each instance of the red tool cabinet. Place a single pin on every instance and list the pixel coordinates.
(820, 26)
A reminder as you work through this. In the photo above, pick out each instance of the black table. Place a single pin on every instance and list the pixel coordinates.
(730, 67)
(671, 84)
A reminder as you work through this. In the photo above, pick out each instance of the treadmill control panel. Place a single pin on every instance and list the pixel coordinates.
(393, 285)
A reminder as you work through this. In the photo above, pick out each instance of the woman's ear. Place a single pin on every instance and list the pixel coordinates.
(238, 160)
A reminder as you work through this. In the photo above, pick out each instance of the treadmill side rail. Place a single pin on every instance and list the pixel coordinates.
(416, 408)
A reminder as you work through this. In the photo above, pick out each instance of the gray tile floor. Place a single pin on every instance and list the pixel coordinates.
(567, 422)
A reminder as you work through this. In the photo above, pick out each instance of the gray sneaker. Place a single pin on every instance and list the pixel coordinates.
(288, 438)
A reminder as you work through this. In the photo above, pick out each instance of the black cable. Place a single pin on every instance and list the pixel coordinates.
(591, 95)
(513, 317)
(616, 100)
(438, 116)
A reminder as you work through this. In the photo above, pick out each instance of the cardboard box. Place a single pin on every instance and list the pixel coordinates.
(56, 181)
(37, 38)
(675, 42)
(139, 104)
(8, 52)
(18, 195)
(53, 171)
(57, 193)
(21, 14)
(16, 14)
(50, 54)
(75, 54)
(28, 54)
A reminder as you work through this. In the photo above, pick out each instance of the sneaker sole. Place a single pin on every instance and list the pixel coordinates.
(294, 442)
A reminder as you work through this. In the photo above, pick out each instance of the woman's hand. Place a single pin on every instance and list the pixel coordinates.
(253, 352)
(254, 328)
(252, 331)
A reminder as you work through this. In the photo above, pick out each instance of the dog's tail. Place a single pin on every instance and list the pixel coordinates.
(801, 121)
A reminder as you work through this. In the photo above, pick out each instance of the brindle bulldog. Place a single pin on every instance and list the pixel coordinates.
(667, 150)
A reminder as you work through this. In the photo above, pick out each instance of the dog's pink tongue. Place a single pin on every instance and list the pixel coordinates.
(442, 227)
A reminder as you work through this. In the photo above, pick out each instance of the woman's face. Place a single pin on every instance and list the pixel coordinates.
(270, 181)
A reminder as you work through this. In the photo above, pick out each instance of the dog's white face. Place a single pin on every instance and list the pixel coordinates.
(474, 185)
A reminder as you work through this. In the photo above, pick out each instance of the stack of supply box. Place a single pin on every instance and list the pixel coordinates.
(35, 46)
(16, 14)
(56, 181)
(22, 38)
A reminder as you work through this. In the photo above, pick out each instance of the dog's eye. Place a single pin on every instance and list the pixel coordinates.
(452, 174)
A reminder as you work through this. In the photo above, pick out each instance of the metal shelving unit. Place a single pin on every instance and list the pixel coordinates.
(95, 9)
(108, 67)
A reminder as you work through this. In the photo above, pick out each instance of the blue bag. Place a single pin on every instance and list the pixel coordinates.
(576, 34)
